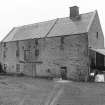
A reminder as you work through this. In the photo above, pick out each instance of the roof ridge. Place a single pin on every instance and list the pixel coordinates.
(27, 25)
(23, 26)
(51, 28)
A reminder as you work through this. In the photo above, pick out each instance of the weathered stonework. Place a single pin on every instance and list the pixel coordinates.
(43, 49)
(95, 34)
(54, 53)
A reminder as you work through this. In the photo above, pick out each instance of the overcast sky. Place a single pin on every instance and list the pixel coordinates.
(21, 12)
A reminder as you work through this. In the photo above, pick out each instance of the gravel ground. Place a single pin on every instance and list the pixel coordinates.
(31, 91)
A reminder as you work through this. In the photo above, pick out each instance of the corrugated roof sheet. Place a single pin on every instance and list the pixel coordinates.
(57, 27)
(100, 51)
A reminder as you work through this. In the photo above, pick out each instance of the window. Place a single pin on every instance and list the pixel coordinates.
(36, 42)
(29, 45)
(27, 55)
(62, 43)
(5, 49)
(4, 44)
(36, 48)
(97, 35)
(17, 53)
(17, 67)
(4, 54)
(5, 67)
(36, 52)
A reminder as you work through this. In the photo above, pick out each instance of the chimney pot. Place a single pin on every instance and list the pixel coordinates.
(74, 13)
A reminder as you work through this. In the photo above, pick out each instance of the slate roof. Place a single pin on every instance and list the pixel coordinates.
(56, 27)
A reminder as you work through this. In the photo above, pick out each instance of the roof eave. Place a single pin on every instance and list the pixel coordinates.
(3, 40)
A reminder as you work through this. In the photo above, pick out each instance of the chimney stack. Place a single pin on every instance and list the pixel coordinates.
(74, 13)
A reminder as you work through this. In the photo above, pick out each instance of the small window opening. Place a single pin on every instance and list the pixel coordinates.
(36, 52)
(62, 40)
(17, 53)
(5, 49)
(4, 54)
(36, 42)
(97, 35)
(5, 67)
(4, 44)
(48, 70)
(29, 45)
(62, 43)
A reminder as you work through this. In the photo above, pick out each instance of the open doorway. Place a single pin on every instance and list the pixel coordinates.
(63, 72)
(97, 63)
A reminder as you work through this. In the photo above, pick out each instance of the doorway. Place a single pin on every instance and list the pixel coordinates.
(99, 61)
(63, 72)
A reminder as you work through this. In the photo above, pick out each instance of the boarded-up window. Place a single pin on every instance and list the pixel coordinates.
(17, 67)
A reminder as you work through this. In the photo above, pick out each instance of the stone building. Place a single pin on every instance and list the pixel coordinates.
(43, 49)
